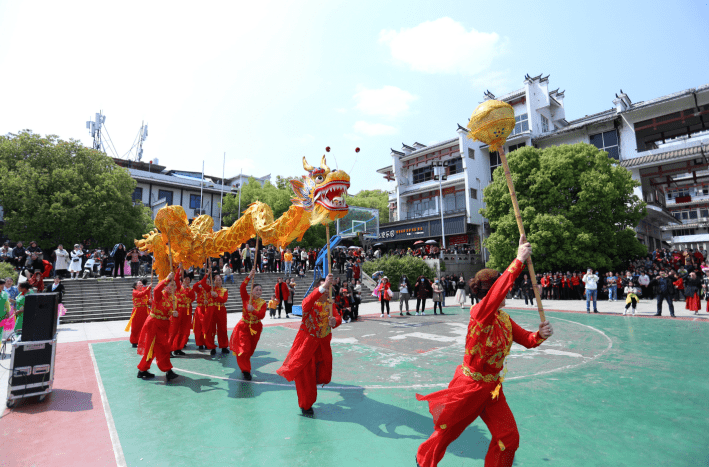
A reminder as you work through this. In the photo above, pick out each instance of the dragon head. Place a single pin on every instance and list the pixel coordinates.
(322, 192)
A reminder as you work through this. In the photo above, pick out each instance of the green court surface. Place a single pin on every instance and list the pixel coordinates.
(603, 391)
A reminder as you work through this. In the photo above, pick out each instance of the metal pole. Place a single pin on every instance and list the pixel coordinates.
(443, 228)
(482, 247)
(201, 184)
(221, 195)
(241, 183)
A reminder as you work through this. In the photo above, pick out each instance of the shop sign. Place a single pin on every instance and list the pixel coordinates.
(404, 232)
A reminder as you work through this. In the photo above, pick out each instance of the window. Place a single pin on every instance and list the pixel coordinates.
(678, 215)
(521, 124)
(423, 174)
(471, 153)
(680, 232)
(474, 193)
(455, 166)
(495, 162)
(693, 214)
(514, 147)
(607, 141)
(460, 201)
(165, 194)
(704, 212)
(545, 124)
(685, 215)
(195, 202)
(138, 194)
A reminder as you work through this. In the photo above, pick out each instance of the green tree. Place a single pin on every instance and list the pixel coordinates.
(577, 205)
(394, 267)
(55, 191)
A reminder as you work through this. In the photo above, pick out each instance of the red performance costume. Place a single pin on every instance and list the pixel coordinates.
(141, 299)
(214, 322)
(180, 326)
(476, 388)
(199, 323)
(154, 336)
(247, 332)
(309, 361)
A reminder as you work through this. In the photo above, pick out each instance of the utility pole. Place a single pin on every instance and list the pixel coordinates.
(241, 183)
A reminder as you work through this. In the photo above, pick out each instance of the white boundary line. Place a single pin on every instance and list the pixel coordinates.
(423, 386)
(117, 449)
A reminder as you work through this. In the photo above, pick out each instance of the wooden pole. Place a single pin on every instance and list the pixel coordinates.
(518, 217)
(329, 264)
(251, 291)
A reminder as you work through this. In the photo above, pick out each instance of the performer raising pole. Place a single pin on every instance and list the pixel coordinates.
(476, 388)
(246, 334)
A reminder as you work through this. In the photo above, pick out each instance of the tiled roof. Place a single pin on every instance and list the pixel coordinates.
(384, 170)
(668, 97)
(172, 180)
(418, 152)
(574, 125)
(665, 156)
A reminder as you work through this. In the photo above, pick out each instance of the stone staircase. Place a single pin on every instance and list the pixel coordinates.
(88, 300)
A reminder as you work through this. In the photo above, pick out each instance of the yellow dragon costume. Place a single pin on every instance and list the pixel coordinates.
(319, 199)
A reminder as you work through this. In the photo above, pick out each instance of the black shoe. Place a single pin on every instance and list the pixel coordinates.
(288, 316)
(225, 350)
(170, 375)
(435, 313)
(595, 311)
(657, 314)
(307, 411)
(145, 375)
(672, 316)
(247, 375)
(441, 312)
(401, 314)
(408, 314)
(213, 352)
(135, 346)
(172, 355)
(179, 352)
(201, 347)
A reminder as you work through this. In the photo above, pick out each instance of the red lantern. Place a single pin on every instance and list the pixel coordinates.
(327, 149)
(356, 149)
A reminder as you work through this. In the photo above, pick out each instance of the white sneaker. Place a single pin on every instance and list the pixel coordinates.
(417, 313)
(625, 312)
(423, 313)
(382, 316)
(633, 311)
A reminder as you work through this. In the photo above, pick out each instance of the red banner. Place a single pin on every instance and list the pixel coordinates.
(457, 239)
(683, 199)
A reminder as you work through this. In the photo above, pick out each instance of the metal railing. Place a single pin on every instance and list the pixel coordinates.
(429, 213)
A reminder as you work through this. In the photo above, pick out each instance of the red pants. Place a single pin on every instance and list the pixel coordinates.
(215, 323)
(243, 343)
(180, 330)
(499, 420)
(155, 329)
(199, 328)
(139, 317)
(317, 371)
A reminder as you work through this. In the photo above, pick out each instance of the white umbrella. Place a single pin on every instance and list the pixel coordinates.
(431, 242)
(355, 247)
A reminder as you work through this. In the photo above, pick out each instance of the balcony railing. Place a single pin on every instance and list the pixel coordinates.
(422, 214)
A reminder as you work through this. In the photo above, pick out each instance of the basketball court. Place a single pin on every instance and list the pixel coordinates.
(605, 390)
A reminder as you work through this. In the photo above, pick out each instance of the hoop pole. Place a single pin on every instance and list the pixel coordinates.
(329, 266)
(520, 226)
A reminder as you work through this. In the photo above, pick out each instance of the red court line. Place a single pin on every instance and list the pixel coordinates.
(69, 428)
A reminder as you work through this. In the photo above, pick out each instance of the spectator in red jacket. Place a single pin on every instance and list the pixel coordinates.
(282, 294)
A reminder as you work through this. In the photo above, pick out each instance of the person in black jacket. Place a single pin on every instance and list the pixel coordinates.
(692, 285)
(664, 290)
(19, 256)
(119, 259)
(423, 290)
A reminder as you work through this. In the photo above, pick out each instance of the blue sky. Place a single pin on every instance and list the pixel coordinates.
(270, 82)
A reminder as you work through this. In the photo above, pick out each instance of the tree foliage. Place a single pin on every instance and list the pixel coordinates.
(394, 267)
(55, 191)
(577, 205)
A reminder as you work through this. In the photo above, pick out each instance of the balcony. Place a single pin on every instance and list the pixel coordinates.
(429, 213)
(431, 184)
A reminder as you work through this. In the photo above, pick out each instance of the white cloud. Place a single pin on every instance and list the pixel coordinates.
(389, 101)
(443, 46)
(374, 129)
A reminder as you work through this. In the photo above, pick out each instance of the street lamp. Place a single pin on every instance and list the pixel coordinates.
(439, 171)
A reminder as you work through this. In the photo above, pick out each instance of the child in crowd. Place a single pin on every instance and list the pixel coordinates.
(631, 298)
(272, 305)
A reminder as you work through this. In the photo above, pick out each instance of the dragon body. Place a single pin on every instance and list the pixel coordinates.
(319, 199)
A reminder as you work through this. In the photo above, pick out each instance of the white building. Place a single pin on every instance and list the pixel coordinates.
(662, 142)
(158, 187)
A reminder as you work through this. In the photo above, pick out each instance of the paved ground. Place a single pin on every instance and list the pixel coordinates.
(605, 390)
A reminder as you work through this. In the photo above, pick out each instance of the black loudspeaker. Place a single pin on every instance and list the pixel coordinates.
(40, 317)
